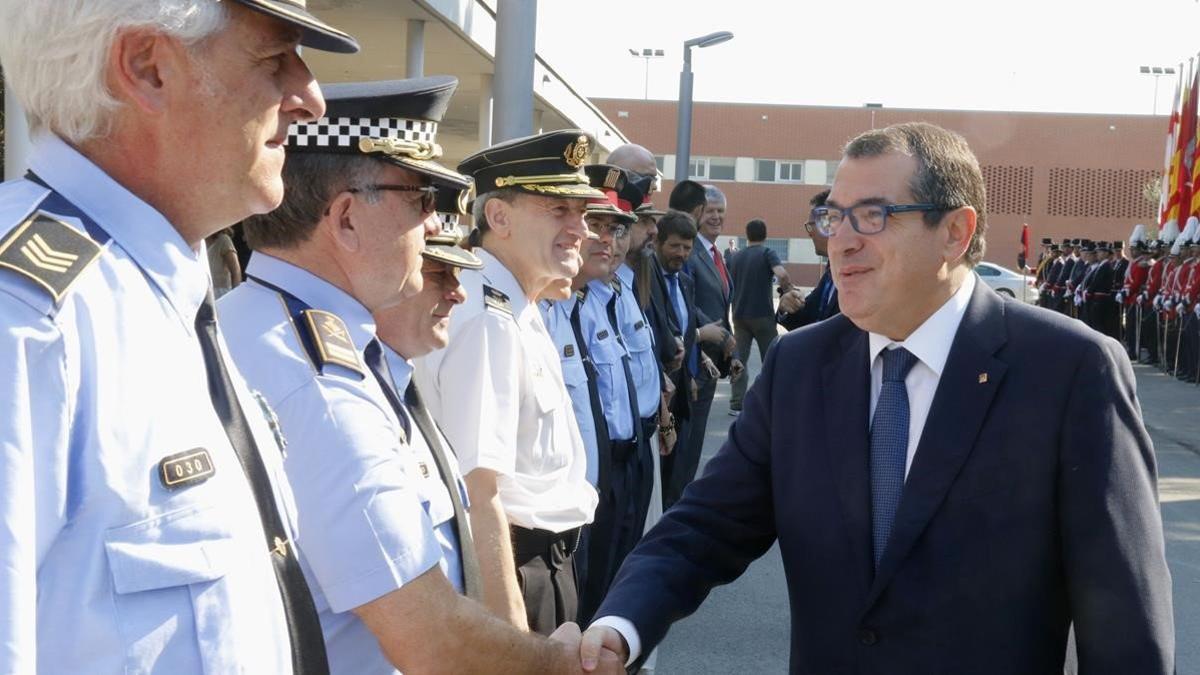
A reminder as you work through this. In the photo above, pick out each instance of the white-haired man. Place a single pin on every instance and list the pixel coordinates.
(145, 524)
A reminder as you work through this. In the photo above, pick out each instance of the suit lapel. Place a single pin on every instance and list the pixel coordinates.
(846, 380)
(969, 382)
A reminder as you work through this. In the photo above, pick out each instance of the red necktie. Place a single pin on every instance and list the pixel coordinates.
(720, 262)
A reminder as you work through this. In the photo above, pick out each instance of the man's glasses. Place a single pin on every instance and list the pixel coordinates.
(598, 228)
(864, 218)
(428, 199)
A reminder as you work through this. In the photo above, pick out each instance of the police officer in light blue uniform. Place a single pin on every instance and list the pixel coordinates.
(579, 376)
(621, 513)
(145, 522)
(634, 328)
(384, 557)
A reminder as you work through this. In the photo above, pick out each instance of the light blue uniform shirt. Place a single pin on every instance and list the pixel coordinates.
(557, 316)
(103, 569)
(423, 467)
(607, 350)
(349, 469)
(639, 341)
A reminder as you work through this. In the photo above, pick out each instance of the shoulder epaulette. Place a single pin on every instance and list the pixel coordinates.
(328, 340)
(497, 300)
(48, 251)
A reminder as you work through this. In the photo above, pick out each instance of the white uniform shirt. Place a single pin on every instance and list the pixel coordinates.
(497, 392)
(103, 568)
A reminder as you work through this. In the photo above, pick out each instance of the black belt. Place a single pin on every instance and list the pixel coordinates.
(529, 543)
(623, 450)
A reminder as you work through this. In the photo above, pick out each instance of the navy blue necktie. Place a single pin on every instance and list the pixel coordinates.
(889, 446)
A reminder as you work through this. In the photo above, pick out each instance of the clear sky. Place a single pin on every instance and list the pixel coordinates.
(1029, 55)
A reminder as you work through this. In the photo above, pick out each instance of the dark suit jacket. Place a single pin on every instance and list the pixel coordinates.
(666, 315)
(812, 311)
(1027, 507)
(712, 302)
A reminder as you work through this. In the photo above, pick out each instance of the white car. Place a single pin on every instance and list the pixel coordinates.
(1007, 282)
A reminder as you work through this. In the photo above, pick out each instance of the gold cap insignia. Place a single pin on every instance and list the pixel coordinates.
(577, 152)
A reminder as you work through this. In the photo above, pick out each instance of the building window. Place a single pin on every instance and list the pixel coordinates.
(711, 168)
(660, 162)
(782, 171)
(779, 245)
(791, 172)
(721, 168)
(764, 170)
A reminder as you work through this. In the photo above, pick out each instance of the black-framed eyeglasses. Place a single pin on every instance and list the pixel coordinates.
(428, 193)
(599, 228)
(864, 218)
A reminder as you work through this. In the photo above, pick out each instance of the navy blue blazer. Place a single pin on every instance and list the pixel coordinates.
(1031, 503)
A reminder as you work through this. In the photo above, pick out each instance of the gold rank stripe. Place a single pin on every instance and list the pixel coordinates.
(38, 252)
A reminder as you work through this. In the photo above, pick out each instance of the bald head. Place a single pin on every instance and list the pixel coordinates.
(634, 158)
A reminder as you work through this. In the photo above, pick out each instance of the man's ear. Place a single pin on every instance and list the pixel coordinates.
(960, 227)
(338, 223)
(139, 63)
(499, 217)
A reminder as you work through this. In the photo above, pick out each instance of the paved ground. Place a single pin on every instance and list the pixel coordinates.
(743, 627)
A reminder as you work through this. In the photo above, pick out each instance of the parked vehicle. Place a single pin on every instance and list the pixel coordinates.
(1007, 282)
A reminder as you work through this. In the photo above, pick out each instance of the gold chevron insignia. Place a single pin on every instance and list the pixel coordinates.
(40, 254)
(48, 251)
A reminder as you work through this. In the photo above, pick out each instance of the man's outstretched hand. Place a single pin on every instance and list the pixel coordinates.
(603, 660)
(598, 643)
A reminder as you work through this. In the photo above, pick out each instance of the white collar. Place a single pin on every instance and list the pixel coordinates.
(931, 341)
(708, 245)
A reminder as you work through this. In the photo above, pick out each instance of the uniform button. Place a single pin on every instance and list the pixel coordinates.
(867, 637)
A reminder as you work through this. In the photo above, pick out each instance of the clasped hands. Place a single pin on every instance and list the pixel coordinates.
(601, 650)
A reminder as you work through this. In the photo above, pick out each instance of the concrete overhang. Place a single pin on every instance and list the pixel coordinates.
(460, 40)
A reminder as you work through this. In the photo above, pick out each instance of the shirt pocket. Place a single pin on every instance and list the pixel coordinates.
(170, 597)
(638, 339)
(606, 355)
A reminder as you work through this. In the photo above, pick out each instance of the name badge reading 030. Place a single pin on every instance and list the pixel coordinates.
(186, 468)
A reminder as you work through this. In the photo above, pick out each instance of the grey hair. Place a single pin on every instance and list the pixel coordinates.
(311, 181)
(713, 193)
(479, 211)
(55, 54)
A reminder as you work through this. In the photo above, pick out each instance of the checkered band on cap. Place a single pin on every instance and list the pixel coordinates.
(449, 222)
(344, 132)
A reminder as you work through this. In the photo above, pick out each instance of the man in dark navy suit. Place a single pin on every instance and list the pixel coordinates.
(821, 302)
(920, 530)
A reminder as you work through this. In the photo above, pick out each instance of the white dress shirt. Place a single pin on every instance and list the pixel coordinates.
(930, 343)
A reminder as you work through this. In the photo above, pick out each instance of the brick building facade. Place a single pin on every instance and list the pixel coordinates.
(1065, 174)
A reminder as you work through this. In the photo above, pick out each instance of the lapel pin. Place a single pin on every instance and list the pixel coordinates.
(983, 378)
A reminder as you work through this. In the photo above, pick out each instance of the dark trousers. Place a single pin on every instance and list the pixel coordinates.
(546, 575)
(1187, 346)
(680, 467)
(748, 332)
(616, 527)
(1131, 332)
(1150, 324)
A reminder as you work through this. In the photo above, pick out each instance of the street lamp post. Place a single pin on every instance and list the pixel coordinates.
(683, 135)
(647, 54)
(1157, 72)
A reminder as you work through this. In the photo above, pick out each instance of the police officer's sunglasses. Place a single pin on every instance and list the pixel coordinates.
(428, 193)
